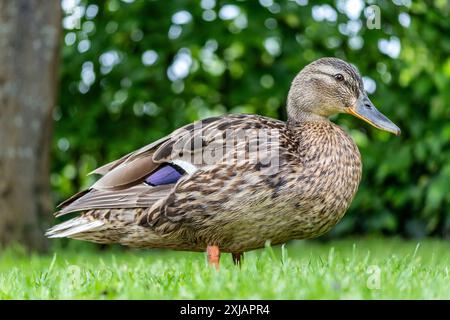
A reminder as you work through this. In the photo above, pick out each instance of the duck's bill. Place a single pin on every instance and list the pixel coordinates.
(365, 110)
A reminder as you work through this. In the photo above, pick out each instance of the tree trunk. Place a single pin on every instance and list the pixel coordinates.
(29, 45)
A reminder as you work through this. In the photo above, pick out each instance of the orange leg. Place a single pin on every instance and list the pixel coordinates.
(237, 258)
(213, 254)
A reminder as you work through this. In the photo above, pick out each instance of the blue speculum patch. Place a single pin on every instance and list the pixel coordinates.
(166, 174)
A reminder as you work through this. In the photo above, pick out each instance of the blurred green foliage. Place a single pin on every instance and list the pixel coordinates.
(133, 71)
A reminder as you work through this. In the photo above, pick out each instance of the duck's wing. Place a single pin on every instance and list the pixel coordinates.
(149, 149)
(151, 173)
(134, 167)
(129, 157)
(122, 184)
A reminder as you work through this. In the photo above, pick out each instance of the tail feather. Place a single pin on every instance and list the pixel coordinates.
(72, 227)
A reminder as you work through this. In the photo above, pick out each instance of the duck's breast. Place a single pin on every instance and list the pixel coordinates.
(326, 181)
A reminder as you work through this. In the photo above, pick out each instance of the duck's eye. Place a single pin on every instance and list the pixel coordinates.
(339, 77)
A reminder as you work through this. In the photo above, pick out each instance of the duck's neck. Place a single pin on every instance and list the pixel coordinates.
(303, 117)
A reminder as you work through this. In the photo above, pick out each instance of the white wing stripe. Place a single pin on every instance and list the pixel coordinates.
(186, 166)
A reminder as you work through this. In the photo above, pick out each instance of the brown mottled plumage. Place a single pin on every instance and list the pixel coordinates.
(236, 198)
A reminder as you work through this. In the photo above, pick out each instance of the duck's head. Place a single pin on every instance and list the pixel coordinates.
(328, 86)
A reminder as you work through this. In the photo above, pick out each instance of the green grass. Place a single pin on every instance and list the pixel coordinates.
(345, 269)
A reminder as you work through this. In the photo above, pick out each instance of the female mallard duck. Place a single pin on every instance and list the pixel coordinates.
(233, 182)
